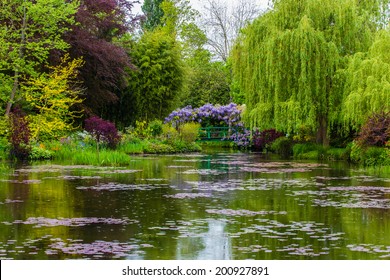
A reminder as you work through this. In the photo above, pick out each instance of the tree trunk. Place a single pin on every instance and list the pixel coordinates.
(322, 132)
(13, 93)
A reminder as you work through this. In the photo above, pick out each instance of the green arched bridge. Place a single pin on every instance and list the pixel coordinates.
(214, 133)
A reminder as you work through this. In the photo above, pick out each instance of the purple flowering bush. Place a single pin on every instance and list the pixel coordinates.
(102, 131)
(242, 138)
(207, 115)
(181, 116)
(218, 116)
(224, 116)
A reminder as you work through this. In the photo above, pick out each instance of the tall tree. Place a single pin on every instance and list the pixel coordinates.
(287, 62)
(224, 23)
(99, 25)
(367, 88)
(29, 31)
(50, 97)
(153, 14)
(155, 86)
(207, 83)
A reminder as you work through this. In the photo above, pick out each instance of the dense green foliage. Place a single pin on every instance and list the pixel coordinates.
(153, 14)
(51, 97)
(316, 70)
(29, 32)
(207, 83)
(367, 88)
(156, 83)
(288, 62)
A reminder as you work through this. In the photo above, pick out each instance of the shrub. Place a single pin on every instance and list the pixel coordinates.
(4, 127)
(141, 130)
(4, 148)
(304, 134)
(169, 134)
(282, 146)
(189, 132)
(370, 156)
(102, 131)
(155, 127)
(376, 130)
(301, 148)
(130, 138)
(157, 148)
(19, 135)
(262, 140)
(241, 139)
(309, 151)
(356, 152)
(338, 153)
(40, 153)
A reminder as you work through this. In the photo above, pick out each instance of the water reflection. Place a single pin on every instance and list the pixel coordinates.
(215, 244)
(204, 206)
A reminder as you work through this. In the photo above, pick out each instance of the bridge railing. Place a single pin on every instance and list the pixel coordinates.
(213, 133)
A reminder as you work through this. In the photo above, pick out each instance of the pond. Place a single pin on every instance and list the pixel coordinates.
(216, 205)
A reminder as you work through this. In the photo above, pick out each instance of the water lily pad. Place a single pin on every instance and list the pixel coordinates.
(73, 222)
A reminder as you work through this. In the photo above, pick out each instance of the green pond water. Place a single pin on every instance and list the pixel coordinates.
(194, 206)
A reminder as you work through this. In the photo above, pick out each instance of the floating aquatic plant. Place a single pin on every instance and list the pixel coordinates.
(188, 195)
(243, 212)
(382, 250)
(24, 182)
(9, 201)
(122, 187)
(204, 171)
(98, 249)
(73, 222)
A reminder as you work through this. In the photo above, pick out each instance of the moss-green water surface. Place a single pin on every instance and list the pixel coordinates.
(195, 206)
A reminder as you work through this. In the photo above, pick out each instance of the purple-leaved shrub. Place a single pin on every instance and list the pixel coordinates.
(20, 134)
(262, 139)
(102, 131)
(376, 130)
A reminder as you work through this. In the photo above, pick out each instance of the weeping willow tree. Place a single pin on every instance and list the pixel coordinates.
(367, 88)
(287, 61)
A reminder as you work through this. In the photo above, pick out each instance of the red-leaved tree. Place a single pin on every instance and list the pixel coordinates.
(99, 22)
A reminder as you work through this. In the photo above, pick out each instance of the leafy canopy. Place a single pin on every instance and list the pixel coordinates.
(51, 96)
(287, 62)
(367, 89)
(29, 32)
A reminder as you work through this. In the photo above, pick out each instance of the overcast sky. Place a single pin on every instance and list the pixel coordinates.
(198, 4)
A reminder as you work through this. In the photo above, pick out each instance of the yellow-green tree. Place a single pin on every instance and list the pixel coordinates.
(29, 31)
(367, 88)
(52, 96)
(288, 62)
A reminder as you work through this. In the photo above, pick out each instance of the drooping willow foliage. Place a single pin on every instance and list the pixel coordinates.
(288, 61)
(367, 88)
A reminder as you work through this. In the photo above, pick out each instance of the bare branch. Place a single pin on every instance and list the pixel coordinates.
(223, 23)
